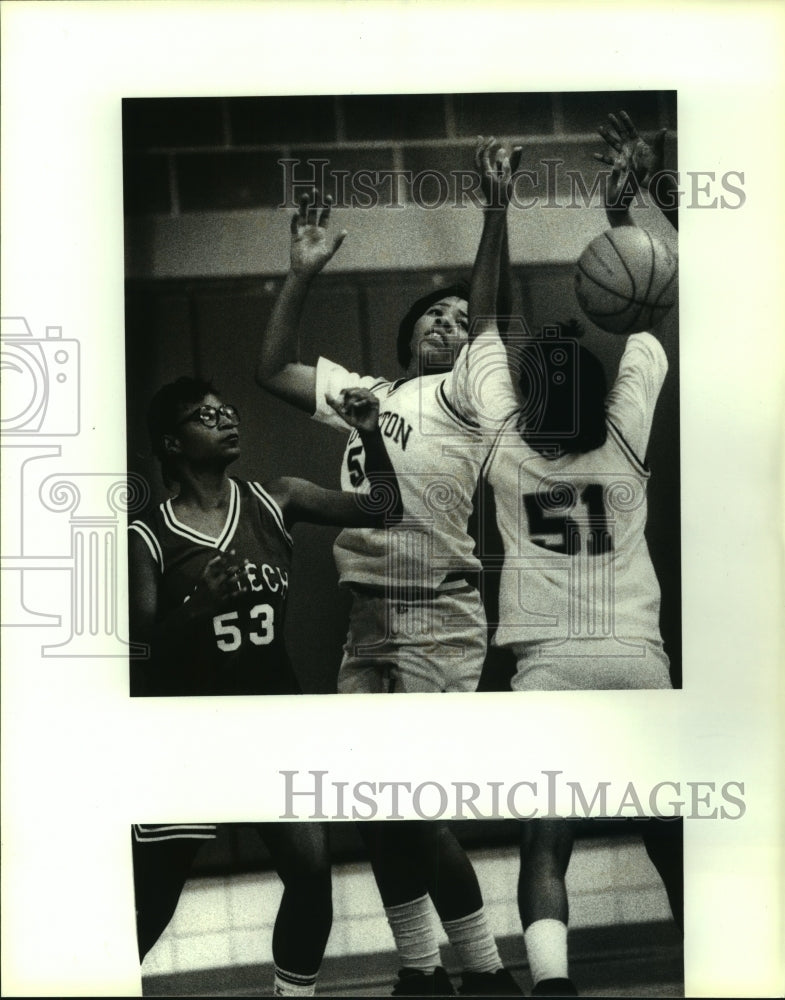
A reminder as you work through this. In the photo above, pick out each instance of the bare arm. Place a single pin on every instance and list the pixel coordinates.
(620, 191)
(491, 285)
(278, 367)
(301, 500)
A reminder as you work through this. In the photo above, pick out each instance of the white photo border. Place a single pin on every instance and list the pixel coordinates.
(82, 761)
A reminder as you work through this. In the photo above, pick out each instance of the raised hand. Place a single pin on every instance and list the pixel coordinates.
(311, 244)
(358, 407)
(496, 169)
(632, 154)
(621, 186)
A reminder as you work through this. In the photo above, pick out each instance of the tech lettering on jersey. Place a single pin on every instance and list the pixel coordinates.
(259, 578)
(273, 577)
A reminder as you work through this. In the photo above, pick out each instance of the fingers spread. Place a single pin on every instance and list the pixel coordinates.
(613, 140)
(312, 210)
(478, 152)
(324, 218)
(632, 132)
(486, 154)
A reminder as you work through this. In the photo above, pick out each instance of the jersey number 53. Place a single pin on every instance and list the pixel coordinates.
(259, 629)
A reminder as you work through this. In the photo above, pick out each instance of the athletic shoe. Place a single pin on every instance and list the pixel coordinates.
(416, 983)
(555, 988)
(489, 984)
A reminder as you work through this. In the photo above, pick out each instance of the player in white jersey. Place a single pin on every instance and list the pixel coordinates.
(417, 621)
(579, 600)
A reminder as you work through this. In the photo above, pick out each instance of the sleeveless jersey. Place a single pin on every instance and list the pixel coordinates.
(239, 648)
(576, 562)
(151, 833)
(437, 453)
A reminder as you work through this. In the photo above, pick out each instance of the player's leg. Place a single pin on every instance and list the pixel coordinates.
(440, 642)
(416, 863)
(161, 868)
(664, 843)
(399, 872)
(365, 667)
(300, 854)
(546, 848)
(456, 894)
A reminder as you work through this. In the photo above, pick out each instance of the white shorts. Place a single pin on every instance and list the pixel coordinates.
(590, 665)
(430, 643)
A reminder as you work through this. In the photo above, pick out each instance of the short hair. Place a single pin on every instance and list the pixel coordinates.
(164, 412)
(571, 406)
(460, 289)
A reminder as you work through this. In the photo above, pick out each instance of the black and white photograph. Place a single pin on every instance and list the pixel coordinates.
(271, 909)
(520, 507)
(511, 466)
(377, 349)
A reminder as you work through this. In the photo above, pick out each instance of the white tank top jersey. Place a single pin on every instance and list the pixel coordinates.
(576, 561)
(437, 453)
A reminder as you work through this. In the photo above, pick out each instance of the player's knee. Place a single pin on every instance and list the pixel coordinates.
(547, 840)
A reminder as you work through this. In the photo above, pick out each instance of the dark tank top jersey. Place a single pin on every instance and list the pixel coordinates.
(239, 648)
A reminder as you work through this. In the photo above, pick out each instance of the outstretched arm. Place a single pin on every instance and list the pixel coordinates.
(643, 163)
(301, 500)
(491, 265)
(278, 367)
(619, 193)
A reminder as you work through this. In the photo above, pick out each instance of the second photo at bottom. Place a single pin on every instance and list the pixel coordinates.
(543, 907)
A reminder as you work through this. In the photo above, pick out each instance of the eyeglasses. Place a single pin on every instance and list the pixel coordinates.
(209, 415)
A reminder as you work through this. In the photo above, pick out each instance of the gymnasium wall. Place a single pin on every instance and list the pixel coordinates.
(222, 929)
(207, 243)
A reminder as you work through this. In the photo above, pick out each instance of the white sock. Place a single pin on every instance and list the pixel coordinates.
(546, 948)
(472, 939)
(293, 984)
(412, 925)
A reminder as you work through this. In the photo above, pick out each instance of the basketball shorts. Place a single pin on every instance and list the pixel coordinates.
(590, 665)
(432, 641)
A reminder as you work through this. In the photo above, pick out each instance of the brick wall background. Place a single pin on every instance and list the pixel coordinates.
(215, 154)
(206, 245)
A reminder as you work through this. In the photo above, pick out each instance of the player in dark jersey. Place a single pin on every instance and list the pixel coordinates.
(209, 568)
(209, 576)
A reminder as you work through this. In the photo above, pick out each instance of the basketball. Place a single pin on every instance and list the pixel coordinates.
(625, 280)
